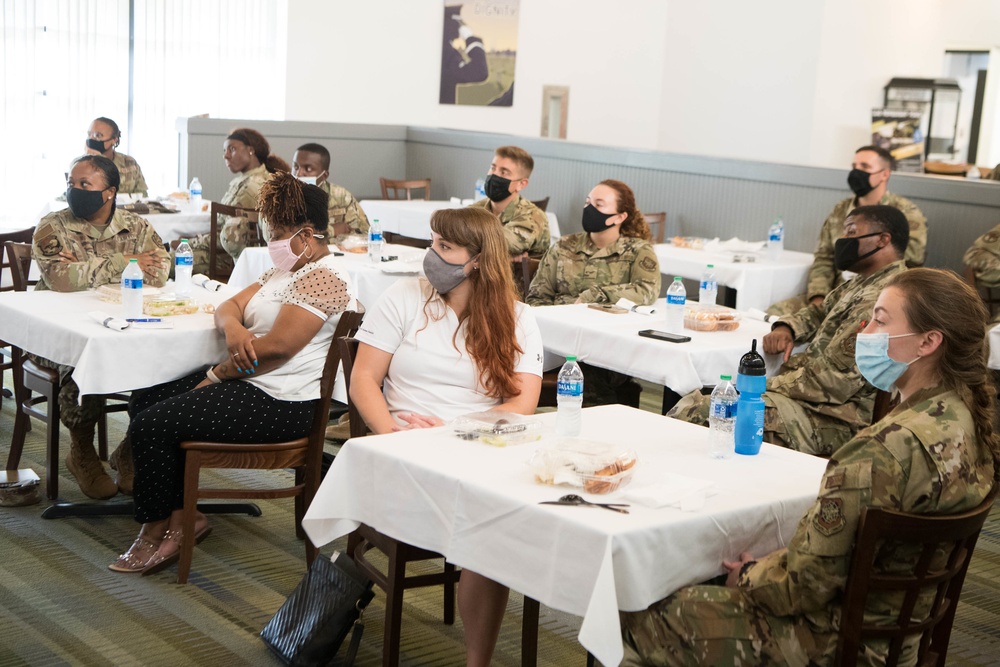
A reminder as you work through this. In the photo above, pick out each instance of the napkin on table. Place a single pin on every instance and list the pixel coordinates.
(687, 493)
(631, 305)
(108, 321)
(201, 280)
(734, 245)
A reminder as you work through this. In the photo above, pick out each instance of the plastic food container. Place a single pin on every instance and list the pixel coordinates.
(358, 244)
(597, 467)
(154, 304)
(693, 242)
(497, 428)
(710, 318)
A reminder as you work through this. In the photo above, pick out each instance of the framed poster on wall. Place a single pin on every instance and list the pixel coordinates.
(478, 52)
(899, 132)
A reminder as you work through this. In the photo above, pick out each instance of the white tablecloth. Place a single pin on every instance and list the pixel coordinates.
(612, 341)
(477, 505)
(370, 280)
(413, 218)
(55, 325)
(189, 222)
(757, 284)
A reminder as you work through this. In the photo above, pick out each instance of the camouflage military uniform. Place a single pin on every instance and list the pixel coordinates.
(984, 258)
(234, 233)
(823, 276)
(344, 209)
(576, 269)
(525, 226)
(923, 458)
(819, 399)
(995, 174)
(132, 180)
(103, 254)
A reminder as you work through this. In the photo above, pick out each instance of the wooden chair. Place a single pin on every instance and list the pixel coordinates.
(398, 187)
(989, 295)
(946, 169)
(657, 225)
(7, 362)
(524, 269)
(399, 239)
(30, 377)
(953, 537)
(304, 455)
(215, 271)
(541, 203)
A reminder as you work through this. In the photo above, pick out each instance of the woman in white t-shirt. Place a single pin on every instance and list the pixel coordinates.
(457, 342)
(277, 331)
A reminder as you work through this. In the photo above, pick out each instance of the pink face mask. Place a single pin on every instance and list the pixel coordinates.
(281, 253)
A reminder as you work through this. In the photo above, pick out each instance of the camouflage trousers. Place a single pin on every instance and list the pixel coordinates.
(715, 625)
(786, 423)
(76, 414)
(200, 248)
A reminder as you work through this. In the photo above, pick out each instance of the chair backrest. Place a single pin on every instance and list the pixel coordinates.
(541, 203)
(399, 239)
(216, 272)
(348, 353)
(22, 236)
(20, 264)
(396, 187)
(953, 536)
(657, 225)
(526, 267)
(989, 295)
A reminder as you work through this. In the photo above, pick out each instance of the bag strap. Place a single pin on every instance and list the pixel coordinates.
(356, 632)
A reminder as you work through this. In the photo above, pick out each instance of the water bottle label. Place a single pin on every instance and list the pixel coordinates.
(183, 260)
(375, 236)
(676, 299)
(774, 236)
(709, 285)
(569, 388)
(723, 410)
(132, 283)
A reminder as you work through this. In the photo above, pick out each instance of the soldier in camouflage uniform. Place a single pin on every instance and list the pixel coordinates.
(933, 454)
(86, 246)
(984, 260)
(819, 400)
(103, 138)
(525, 226)
(995, 174)
(612, 260)
(869, 179)
(311, 164)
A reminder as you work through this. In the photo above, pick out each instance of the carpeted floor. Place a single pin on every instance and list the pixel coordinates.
(59, 605)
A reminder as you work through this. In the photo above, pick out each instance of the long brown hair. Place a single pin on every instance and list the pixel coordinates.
(635, 225)
(261, 148)
(490, 318)
(939, 300)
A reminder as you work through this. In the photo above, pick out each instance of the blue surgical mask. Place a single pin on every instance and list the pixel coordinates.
(871, 353)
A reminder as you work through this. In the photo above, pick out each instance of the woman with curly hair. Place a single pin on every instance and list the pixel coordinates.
(456, 342)
(278, 332)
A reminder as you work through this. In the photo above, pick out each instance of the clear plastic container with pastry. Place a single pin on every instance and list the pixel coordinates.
(710, 318)
(597, 467)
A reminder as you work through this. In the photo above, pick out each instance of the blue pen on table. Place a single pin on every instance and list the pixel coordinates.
(144, 319)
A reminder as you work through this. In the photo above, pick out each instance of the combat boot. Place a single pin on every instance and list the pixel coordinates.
(84, 465)
(121, 461)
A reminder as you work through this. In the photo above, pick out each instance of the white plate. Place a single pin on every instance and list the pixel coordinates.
(398, 266)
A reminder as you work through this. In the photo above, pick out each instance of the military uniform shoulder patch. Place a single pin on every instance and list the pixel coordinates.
(48, 241)
(648, 264)
(830, 518)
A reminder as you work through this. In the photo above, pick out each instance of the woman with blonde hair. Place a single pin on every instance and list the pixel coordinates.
(456, 342)
(934, 453)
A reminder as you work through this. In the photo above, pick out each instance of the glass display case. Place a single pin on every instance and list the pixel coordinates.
(937, 100)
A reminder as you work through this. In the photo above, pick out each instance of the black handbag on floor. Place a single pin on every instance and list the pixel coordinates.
(327, 604)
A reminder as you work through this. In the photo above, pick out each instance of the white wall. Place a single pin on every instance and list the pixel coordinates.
(776, 80)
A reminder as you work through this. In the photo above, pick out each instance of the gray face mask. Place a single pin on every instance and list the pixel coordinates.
(443, 276)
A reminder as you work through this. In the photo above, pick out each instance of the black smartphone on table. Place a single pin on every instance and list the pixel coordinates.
(664, 335)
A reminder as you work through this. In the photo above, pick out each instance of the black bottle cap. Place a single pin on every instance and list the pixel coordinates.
(752, 363)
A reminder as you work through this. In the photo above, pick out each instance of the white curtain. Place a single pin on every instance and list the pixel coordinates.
(66, 62)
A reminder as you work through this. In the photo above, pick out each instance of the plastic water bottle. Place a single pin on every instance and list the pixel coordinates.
(676, 299)
(722, 418)
(182, 269)
(569, 397)
(375, 241)
(751, 383)
(776, 239)
(194, 190)
(708, 291)
(132, 290)
(480, 190)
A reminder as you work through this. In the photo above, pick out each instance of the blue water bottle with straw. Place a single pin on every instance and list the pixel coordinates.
(751, 381)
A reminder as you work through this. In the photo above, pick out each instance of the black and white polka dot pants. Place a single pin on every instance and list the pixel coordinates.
(166, 415)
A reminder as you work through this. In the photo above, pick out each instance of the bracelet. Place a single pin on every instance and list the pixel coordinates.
(212, 376)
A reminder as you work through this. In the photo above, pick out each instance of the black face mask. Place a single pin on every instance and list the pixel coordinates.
(497, 188)
(96, 145)
(595, 221)
(859, 182)
(845, 251)
(84, 203)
